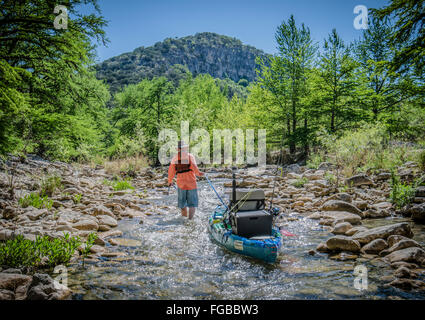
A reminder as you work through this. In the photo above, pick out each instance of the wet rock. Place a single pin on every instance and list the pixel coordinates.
(355, 230)
(102, 210)
(43, 287)
(338, 205)
(413, 254)
(392, 240)
(418, 213)
(343, 256)
(359, 180)
(311, 252)
(374, 214)
(399, 264)
(107, 220)
(322, 247)
(341, 228)
(375, 246)
(125, 242)
(340, 216)
(403, 272)
(6, 295)
(86, 224)
(408, 284)
(15, 283)
(384, 232)
(343, 243)
(97, 249)
(402, 244)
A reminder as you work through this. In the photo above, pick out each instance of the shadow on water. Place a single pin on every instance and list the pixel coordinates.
(176, 259)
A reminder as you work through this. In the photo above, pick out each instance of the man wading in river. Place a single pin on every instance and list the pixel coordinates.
(184, 165)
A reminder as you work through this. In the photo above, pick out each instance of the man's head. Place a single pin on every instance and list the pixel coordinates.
(182, 147)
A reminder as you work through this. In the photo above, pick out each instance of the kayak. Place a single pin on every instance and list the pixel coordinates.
(263, 248)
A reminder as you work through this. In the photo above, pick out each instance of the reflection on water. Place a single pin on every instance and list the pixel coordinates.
(176, 259)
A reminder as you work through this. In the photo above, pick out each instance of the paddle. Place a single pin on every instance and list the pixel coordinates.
(221, 200)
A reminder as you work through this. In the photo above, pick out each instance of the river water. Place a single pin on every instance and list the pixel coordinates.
(174, 258)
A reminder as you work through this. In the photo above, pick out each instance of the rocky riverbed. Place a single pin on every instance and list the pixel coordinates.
(346, 216)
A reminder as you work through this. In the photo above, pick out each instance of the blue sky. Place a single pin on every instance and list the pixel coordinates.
(135, 23)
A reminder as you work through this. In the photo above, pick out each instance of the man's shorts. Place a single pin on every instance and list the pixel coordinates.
(187, 198)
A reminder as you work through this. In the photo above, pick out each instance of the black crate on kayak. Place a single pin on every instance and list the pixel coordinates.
(250, 224)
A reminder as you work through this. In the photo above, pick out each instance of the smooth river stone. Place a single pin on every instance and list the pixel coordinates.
(125, 242)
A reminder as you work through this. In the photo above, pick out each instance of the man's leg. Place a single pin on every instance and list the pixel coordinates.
(184, 212)
(191, 212)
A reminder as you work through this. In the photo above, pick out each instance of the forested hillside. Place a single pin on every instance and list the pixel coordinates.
(204, 53)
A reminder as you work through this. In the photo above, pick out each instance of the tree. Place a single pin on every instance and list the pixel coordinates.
(144, 105)
(409, 30)
(286, 77)
(337, 71)
(48, 72)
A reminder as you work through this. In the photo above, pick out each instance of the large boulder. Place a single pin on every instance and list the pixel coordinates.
(341, 228)
(343, 243)
(340, 216)
(338, 205)
(413, 254)
(86, 224)
(375, 246)
(14, 283)
(400, 245)
(107, 220)
(384, 232)
(359, 180)
(418, 212)
(43, 287)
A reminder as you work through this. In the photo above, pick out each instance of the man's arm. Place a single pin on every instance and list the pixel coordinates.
(171, 172)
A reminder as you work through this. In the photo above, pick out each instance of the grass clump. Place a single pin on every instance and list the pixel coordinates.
(300, 182)
(77, 198)
(50, 184)
(122, 185)
(35, 200)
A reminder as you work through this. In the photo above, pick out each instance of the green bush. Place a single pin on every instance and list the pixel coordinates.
(35, 200)
(401, 194)
(361, 150)
(123, 185)
(21, 252)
